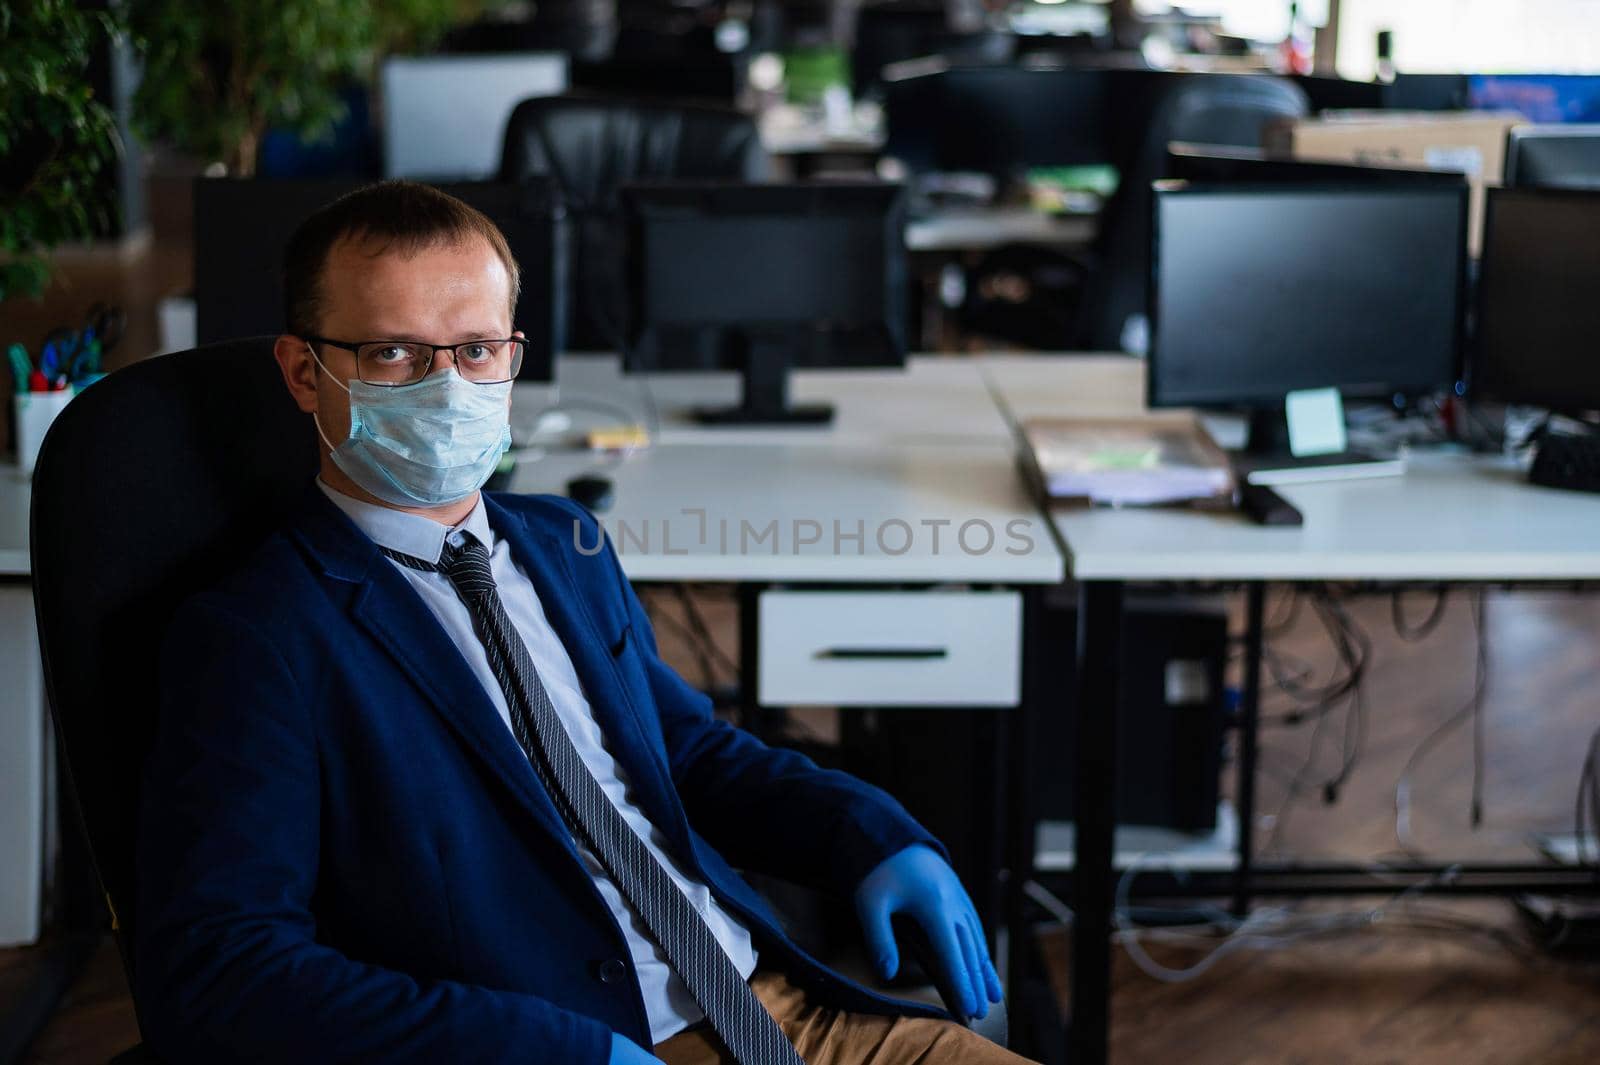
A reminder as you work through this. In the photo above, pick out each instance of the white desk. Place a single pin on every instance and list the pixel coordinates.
(935, 399)
(803, 490)
(23, 757)
(1450, 517)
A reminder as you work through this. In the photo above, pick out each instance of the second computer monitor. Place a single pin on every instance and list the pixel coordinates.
(1554, 157)
(1258, 291)
(762, 278)
(1538, 312)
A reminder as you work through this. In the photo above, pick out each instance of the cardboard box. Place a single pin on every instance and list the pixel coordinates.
(1472, 142)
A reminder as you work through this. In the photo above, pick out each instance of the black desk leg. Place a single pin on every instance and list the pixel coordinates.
(1249, 726)
(1099, 662)
(750, 716)
(1021, 813)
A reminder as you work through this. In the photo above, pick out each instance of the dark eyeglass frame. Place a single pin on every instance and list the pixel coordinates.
(354, 347)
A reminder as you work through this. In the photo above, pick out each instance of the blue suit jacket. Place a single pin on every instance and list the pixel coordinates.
(345, 857)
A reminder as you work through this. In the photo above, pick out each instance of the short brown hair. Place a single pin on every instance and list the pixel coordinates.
(399, 216)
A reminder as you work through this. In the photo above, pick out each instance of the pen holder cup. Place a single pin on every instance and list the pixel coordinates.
(34, 411)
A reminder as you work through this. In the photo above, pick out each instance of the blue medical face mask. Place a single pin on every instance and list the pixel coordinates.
(423, 445)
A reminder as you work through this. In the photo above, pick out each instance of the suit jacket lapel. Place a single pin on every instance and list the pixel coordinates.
(543, 559)
(387, 607)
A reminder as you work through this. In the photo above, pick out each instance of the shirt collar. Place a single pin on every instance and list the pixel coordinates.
(410, 534)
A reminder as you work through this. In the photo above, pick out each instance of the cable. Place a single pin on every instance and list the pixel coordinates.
(658, 615)
(1472, 708)
(1269, 928)
(1588, 802)
(1412, 633)
(697, 621)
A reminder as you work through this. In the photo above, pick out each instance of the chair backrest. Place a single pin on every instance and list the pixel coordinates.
(148, 486)
(591, 146)
(1219, 109)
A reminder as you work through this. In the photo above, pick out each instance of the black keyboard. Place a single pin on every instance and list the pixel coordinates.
(1567, 460)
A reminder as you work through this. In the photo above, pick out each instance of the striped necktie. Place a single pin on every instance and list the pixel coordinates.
(731, 1007)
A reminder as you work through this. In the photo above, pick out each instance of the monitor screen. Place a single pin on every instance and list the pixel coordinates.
(1006, 119)
(241, 227)
(1558, 157)
(444, 116)
(1538, 313)
(820, 266)
(1258, 291)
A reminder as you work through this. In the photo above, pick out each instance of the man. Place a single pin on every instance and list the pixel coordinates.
(423, 789)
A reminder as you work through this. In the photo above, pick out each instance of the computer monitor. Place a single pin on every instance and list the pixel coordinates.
(241, 227)
(1262, 290)
(892, 33)
(1556, 157)
(1218, 164)
(999, 120)
(444, 116)
(1006, 119)
(762, 278)
(1537, 312)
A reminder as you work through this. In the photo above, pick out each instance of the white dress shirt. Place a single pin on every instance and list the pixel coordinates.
(666, 999)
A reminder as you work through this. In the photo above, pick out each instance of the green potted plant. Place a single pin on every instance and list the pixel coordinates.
(55, 137)
(218, 76)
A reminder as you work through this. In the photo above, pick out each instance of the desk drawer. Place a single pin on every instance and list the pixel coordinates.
(890, 648)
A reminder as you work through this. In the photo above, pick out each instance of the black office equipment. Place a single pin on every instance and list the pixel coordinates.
(1261, 290)
(1264, 506)
(591, 492)
(1218, 164)
(1328, 93)
(1218, 109)
(1003, 120)
(1555, 157)
(762, 278)
(1537, 320)
(1567, 460)
(590, 146)
(241, 227)
(1169, 717)
(1538, 315)
(888, 33)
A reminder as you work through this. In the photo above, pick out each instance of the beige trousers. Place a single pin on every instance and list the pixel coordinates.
(833, 1037)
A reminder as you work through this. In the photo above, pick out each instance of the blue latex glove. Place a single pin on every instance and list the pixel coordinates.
(918, 883)
(625, 1051)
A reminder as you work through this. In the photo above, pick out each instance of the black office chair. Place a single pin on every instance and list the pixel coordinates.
(148, 485)
(1221, 109)
(591, 145)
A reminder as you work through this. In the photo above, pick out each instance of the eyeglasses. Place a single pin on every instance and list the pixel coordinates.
(405, 362)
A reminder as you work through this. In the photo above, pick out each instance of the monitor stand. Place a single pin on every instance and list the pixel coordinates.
(1266, 459)
(764, 364)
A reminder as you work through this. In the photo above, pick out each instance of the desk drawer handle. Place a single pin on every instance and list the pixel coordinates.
(872, 653)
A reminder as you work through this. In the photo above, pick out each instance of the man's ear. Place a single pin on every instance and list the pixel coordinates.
(299, 371)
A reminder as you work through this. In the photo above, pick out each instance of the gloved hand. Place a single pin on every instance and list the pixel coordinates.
(918, 883)
(625, 1051)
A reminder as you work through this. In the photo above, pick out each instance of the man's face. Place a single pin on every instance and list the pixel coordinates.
(440, 295)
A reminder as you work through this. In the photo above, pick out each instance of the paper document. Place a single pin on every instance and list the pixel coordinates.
(1125, 461)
